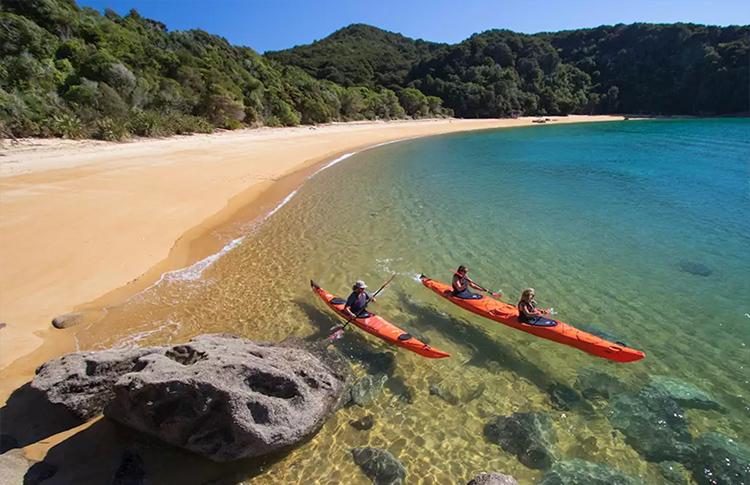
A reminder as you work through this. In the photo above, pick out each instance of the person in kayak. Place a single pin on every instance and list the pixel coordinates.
(527, 310)
(356, 304)
(461, 284)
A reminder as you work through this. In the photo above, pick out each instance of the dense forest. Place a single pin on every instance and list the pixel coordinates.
(74, 72)
(640, 68)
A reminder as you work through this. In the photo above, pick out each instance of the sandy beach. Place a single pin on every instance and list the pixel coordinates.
(85, 223)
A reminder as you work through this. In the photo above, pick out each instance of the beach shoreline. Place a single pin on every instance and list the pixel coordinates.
(88, 224)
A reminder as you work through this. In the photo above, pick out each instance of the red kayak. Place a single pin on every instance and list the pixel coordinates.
(546, 328)
(379, 327)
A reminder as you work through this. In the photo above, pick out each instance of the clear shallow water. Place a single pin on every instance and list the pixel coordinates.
(602, 219)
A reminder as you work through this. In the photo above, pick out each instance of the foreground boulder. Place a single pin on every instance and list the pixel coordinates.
(492, 479)
(585, 472)
(720, 459)
(380, 465)
(228, 398)
(654, 424)
(82, 382)
(529, 436)
(686, 394)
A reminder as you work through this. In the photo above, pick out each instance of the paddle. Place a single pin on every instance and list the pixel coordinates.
(496, 294)
(337, 334)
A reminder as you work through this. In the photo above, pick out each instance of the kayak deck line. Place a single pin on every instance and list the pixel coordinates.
(379, 327)
(558, 331)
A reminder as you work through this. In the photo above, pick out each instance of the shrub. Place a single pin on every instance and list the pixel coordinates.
(108, 129)
(67, 125)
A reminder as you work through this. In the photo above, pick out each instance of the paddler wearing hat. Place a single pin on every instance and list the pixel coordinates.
(356, 304)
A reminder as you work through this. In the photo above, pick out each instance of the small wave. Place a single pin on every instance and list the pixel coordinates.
(195, 270)
(331, 164)
(281, 204)
(132, 340)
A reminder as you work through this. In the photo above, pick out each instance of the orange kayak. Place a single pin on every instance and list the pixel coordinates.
(550, 329)
(378, 326)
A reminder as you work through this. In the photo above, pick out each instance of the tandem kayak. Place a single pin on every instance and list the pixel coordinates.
(546, 328)
(378, 326)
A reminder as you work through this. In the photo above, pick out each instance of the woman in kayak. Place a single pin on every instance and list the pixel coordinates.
(461, 284)
(356, 304)
(527, 310)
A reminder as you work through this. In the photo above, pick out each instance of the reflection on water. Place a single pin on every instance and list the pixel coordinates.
(601, 221)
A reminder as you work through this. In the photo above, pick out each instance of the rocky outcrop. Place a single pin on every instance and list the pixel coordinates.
(686, 394)
(720, 459)
(580, 471)
(492, 479)
(220, 396)
(380, 465)
(228, 398)
(529, 436)
(67, 320)
(654, 424)
(82, 382)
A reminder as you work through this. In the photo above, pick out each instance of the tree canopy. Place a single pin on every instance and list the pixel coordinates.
(74, 72)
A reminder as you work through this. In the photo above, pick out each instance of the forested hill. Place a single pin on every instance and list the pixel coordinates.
(638, 68)
(73, 72)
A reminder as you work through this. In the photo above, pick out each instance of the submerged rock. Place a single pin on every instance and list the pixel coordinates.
(697, 269)
(366, 389)
(364, 423)
(719, 459)
(82, 382)
(529, 436)
(564, 398)
(493, 479)
(381, 466)
(457, 391)
(67, 320)
(674, 473)
(585, 472)
(131, 470)
(595, 384)
(228, 398)
(684, 393)
(654, 424)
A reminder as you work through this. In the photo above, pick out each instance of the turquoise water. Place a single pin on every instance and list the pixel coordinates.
(639, 229)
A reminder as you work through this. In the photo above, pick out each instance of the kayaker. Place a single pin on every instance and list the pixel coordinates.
(527, 310)
(461, 284)
(356, 304)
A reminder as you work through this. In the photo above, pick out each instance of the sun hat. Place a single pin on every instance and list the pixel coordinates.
(359, 284)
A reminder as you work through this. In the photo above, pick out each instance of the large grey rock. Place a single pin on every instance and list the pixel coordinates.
(228, 398)
(654, 424)
(585, 472)
(380, 465)
(595, 384)
(366, 389)
(82, 382)
(720, 459)
(529, 436)
(492, 479)
(684, 393)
